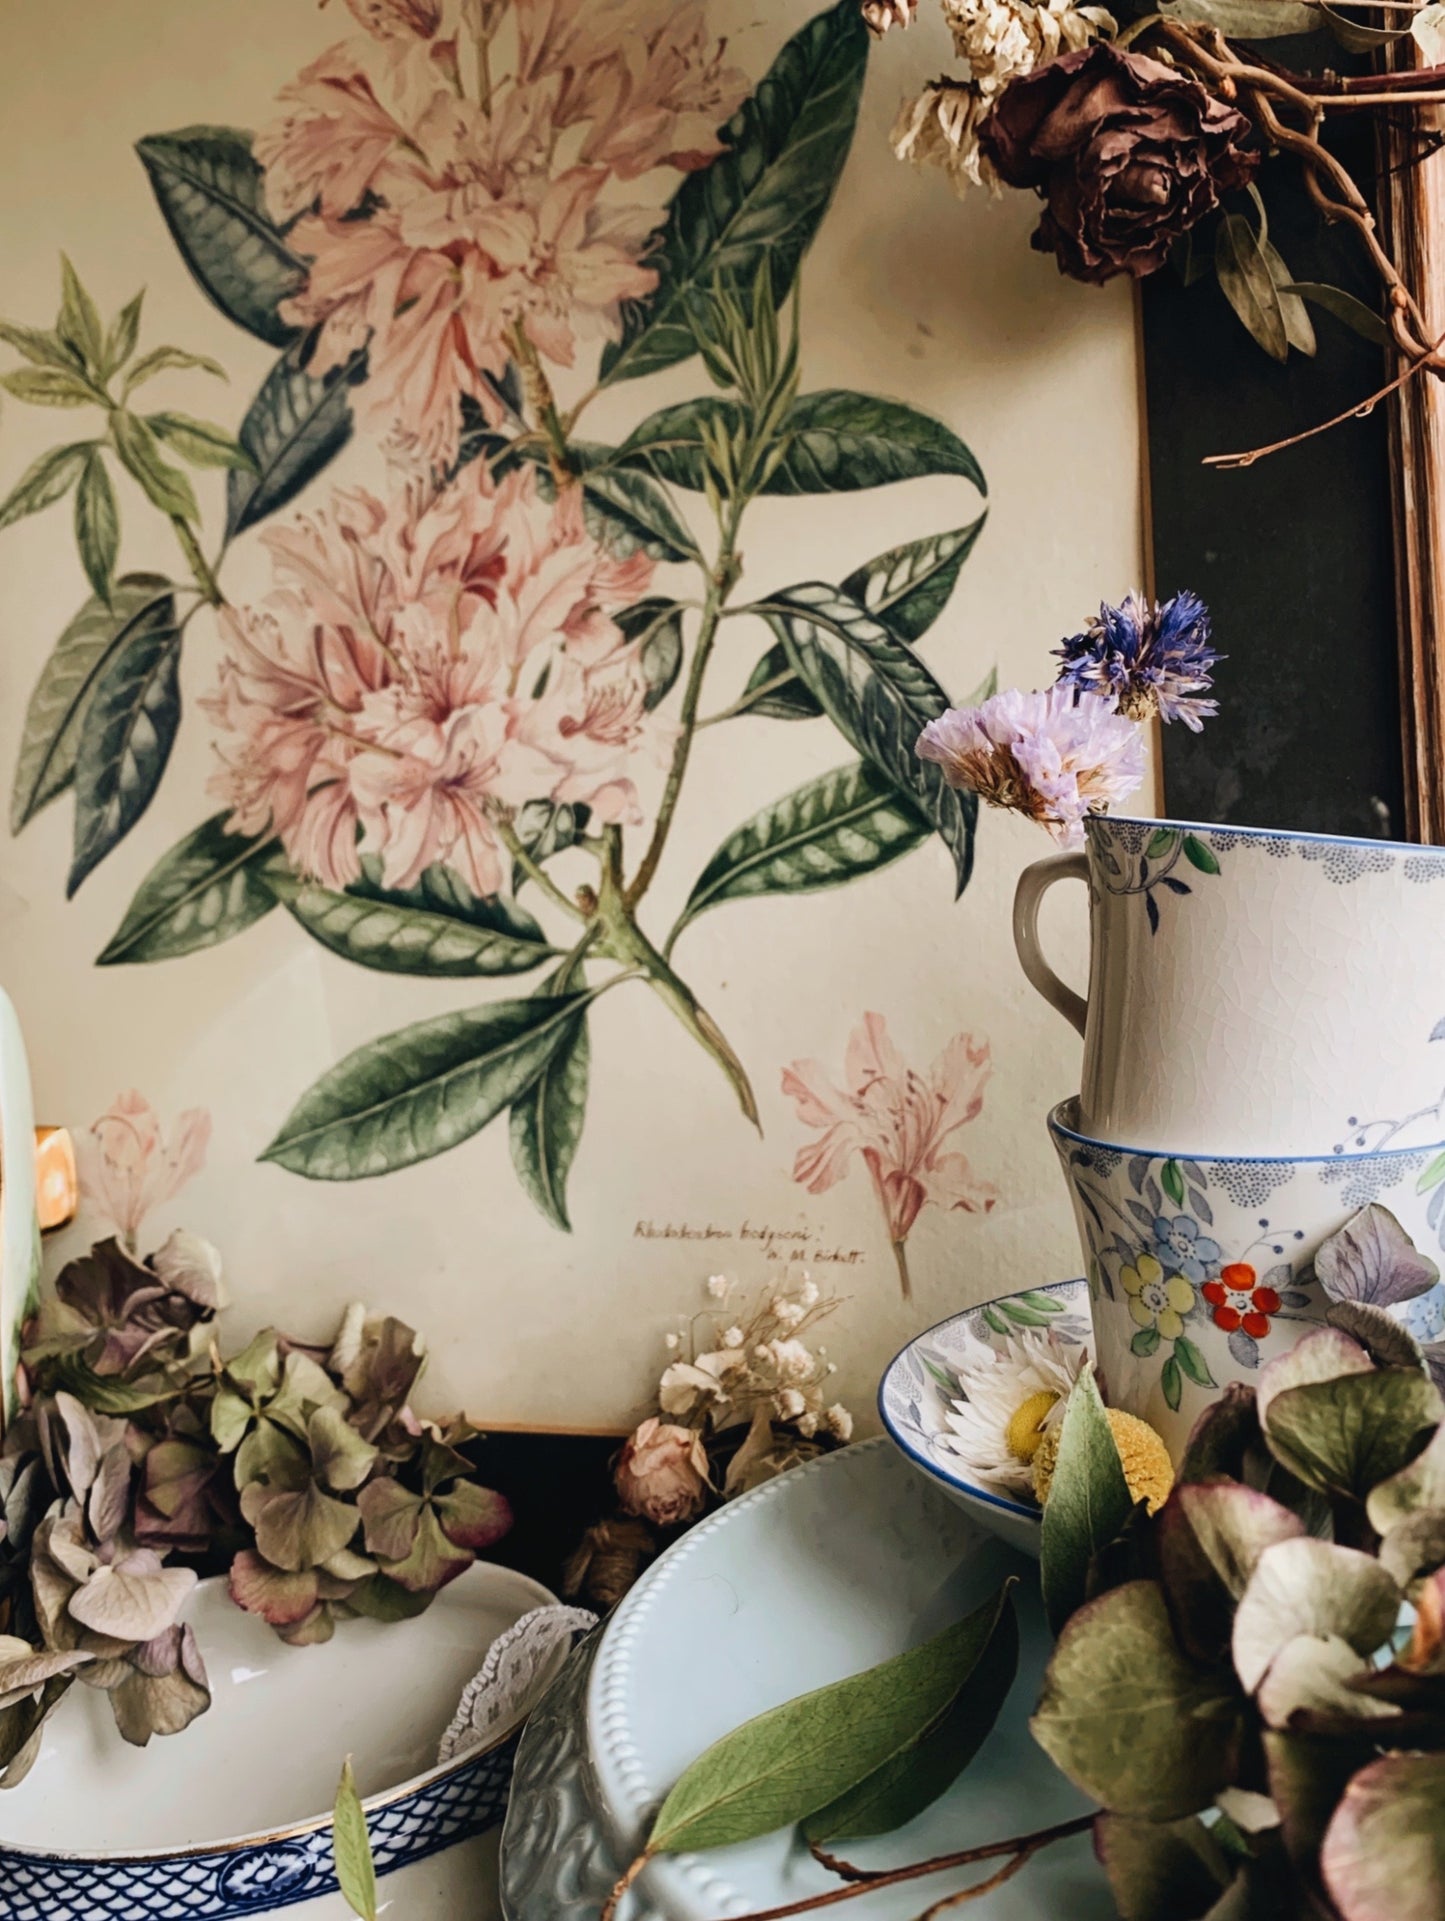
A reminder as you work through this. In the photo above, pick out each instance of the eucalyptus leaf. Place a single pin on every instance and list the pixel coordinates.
(1248, 285)
(832, 829)
(206, 889)
(351, 1847)
(794, 1760)
(1247, 19)
(1298, 327)
(912, 1780)
(1347, 1434)
(1089, 1501)
(1345, 307)
(1356, 37)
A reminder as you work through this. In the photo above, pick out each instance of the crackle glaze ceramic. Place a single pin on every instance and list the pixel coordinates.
(232, 1817)
(1200, 1266)
(921, 1382)
(1264, 992)
(818, 1574)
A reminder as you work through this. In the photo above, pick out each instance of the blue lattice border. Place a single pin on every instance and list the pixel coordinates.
(227, 1884)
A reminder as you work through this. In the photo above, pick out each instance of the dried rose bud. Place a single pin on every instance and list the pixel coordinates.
(661, 1473)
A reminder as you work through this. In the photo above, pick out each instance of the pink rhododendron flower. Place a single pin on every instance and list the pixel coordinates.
(1055, 756)
(661, 1473)
(128, 1167)
(898, 1120)
(423, 664)
(437, 228)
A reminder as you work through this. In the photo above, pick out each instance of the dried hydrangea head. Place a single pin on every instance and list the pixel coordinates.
(1143, 1456)
(1149, 657)
(1053, 756)
(998, 41)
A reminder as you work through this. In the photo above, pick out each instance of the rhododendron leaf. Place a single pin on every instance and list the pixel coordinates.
(654, 626)
(206, 889)
(879, 695)
(212, 193)
(908, 587)
(831, 830)
(544, 1127)
(296, 424)
(775, 692)
(126, 734)
(1348, 1434)
(472, 1516)
(341, 1458)
(1089, 1501)
(51, 735)
(1128, 1718)
(1419, 1484)
(762, 198)
(1160, 1870)
(418, 1092)
(912, 1780)
(625, 511)
(297, 1529)
(1306, 1586)
(1372, 1259)
(133, 1598)
(795, 1759)
(832, 441)
(1383, 1857)
(417, 930)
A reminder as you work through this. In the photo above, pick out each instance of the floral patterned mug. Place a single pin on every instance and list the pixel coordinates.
(1201, 1269)
(1262, 992)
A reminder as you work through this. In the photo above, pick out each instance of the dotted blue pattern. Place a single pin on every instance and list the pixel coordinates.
(232, 1883)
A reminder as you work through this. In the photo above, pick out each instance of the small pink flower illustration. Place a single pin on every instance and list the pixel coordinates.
(127, 1167)
(898, 1120)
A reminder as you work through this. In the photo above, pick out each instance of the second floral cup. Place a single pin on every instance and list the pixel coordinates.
(1201, 1268)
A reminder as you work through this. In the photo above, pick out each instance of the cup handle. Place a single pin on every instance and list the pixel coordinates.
(1034, 882)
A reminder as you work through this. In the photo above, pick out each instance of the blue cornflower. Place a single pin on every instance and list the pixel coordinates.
(1152, 657)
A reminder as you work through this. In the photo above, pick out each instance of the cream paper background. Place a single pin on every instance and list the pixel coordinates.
(906, 293)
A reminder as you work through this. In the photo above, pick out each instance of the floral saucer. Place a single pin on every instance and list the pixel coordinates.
(921, 1386)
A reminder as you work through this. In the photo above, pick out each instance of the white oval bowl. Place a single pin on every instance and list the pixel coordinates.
(232, 1817)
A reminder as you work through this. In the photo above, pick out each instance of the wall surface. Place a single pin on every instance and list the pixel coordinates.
(331, 725)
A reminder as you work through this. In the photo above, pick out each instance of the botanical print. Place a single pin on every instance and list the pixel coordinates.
(1151, 857)
(462, 225)
(128, 1166)
(898, 1121)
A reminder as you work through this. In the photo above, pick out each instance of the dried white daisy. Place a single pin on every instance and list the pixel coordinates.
(1012, 1394)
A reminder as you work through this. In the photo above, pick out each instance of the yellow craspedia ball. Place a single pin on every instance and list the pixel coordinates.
(1148, 1470)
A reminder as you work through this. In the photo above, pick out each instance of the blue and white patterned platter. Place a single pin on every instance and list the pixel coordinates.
(921, 1381)
(261, 1766)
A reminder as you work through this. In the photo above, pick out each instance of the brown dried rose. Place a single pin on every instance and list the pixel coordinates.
(1126, 153)
(661, 1473)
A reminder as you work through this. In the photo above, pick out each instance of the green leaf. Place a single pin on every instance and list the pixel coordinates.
(879, 695)
(126, 735)
(1298, 327)
(830, 442)
(1089, 1501)
(97, 525)
(51, 735)
(763, 197)
(1248, 284)
(1247, 19)
(1347, 1434)
(121, 336)
(418, 1092)
(437, 928)
(50, 387)
(163, 360)
(797, 1759)
(207, 888)
(1171, 1383)
(1161, 842)
(41, 349)
(1171, 1179)
(1193, 1362)
(351, 1846)
(212, 194)
(908, 587)
(545, 1124)
(293, 428)
(1128, 1718)
(79, 325)
(165, 486)
(627, 511)
(830, 830)
(775, 690)
(1145, 1342)
(1432, 1176)
(913, 1779)
(44, 481)
(1383, 1857)
(1353, 313)
(655, 625)
(201, 442)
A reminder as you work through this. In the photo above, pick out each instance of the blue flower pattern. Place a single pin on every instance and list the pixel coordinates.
(1180, 1248)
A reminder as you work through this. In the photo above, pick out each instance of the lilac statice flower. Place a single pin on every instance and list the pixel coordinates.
(1149, 657)
(1055, 756)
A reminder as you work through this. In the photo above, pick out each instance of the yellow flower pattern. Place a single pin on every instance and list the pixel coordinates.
(1156, 1299)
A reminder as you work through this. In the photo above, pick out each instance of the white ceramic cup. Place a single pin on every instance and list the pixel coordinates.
(1270, 993)
(1200, 1266)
